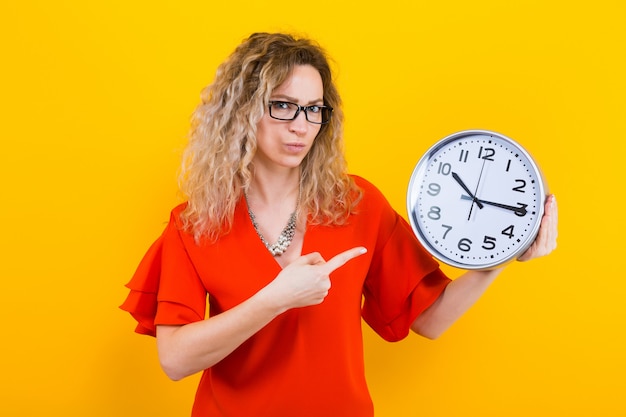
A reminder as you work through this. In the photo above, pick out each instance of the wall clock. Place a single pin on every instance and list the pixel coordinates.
(475, 199)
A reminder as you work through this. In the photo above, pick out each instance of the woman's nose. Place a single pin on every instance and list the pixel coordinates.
(300, 124)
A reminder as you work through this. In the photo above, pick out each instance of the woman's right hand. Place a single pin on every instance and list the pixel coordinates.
(306, 281)
(190, 348)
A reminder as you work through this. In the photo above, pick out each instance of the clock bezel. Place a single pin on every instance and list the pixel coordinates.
(413, 199)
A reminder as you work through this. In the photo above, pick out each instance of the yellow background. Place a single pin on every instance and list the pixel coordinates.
(95, 105)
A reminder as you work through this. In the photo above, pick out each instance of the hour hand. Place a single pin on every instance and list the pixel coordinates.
(519, 210)
(462, 184)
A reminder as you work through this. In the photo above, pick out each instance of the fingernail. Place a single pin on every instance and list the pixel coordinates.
(363, 250)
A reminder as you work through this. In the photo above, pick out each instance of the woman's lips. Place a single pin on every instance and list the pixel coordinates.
(295, 147)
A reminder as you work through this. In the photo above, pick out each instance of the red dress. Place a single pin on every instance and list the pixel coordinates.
(307, 361)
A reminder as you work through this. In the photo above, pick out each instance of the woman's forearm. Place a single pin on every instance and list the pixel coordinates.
(453, 302)
(187, 349)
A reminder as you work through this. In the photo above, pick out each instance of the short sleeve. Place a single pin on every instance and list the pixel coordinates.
(165, 288)
(141, 301)
(403, 281)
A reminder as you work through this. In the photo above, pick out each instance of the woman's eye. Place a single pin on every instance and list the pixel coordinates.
(281, 105)
(314, 109)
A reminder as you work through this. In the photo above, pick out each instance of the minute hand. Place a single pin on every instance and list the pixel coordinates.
(520, 210)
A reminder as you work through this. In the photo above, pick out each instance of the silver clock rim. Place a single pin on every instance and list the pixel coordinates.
(419, 170)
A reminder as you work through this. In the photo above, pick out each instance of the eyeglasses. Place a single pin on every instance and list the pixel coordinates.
(284, 110)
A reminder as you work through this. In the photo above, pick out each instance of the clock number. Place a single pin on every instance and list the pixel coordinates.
(448, 228)
(444, 169)
(464, 244)
(508, 232)
(433, 189)
(508, 165)
(434, 213)
(464, 155)
(486, 153)
(520, 188)
(489, 243)
(521, 210)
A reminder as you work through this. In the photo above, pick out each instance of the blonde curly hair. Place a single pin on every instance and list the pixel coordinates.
(216, 166)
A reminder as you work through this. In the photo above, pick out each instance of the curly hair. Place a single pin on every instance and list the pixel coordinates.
(216, 166)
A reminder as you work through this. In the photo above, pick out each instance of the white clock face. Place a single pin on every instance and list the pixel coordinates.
(475, 200)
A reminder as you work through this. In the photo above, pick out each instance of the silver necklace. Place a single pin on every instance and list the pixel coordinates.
(285, 237)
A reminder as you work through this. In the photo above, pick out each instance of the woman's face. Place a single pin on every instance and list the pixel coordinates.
(285, 143)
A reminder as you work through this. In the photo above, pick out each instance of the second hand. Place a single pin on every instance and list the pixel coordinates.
(475, 200)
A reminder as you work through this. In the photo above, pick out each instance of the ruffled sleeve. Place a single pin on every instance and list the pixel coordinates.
(403, 280)
(166, 288)
(141, 301)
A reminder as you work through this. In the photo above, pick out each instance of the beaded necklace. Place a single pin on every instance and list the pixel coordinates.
(285, 237)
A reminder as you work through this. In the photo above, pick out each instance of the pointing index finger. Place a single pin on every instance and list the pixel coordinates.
(343, 257)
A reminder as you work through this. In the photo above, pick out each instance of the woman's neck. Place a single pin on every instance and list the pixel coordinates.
(275, 188)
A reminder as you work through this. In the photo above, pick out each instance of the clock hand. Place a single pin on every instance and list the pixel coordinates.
(520, 210)
(480, 176)
(462, 184)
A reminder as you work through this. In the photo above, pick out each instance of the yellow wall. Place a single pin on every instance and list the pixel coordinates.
(94, 108)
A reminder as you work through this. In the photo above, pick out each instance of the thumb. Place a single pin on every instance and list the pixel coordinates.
(313, 258)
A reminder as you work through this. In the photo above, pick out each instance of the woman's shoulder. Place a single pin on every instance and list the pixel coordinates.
(361, 182)
(371, 193)
(176, 220)
(373, 205)
(177, 210)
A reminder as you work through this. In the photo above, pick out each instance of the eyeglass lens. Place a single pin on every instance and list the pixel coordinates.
(283, 110)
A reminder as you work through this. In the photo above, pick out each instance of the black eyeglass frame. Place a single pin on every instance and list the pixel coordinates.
(300, 108)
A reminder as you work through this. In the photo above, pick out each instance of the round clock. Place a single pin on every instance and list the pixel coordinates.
(476, 199)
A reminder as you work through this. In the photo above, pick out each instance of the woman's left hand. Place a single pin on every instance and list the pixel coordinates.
(545, 242)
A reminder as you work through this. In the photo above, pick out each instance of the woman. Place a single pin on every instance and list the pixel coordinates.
(264, 164)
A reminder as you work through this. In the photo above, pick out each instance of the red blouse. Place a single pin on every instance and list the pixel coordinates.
(307, 361)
